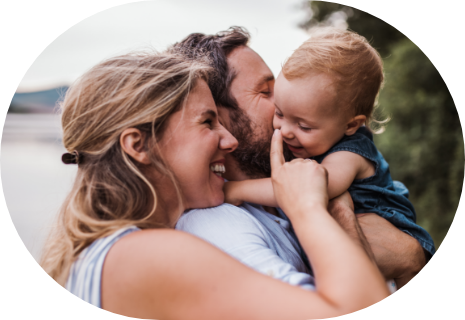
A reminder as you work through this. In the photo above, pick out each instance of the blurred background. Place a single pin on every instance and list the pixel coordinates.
(423, 141)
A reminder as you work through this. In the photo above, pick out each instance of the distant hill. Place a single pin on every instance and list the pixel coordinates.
(37, 102)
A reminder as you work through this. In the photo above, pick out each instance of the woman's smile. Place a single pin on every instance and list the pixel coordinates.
(195, 145)
(218, 168)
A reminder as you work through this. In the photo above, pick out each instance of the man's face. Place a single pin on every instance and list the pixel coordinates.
(252, 124)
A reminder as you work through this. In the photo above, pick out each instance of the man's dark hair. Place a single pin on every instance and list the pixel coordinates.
(252, 154)
(216, 48)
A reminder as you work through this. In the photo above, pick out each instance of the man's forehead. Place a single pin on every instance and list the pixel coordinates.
(246, 62)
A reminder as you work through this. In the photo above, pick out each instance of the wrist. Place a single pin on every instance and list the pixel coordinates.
(303, 211)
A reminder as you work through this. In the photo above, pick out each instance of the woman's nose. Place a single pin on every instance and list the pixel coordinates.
(227, 141)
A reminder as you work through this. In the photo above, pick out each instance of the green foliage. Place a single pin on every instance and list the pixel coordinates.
(423, 141)
(379, 33)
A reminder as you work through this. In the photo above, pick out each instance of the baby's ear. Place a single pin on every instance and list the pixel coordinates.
(355, 123)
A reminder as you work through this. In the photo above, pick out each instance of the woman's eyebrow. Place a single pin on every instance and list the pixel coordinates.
(209, 112)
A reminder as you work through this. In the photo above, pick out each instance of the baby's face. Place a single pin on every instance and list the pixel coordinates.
(307, 114)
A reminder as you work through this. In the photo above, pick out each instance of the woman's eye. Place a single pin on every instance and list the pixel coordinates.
(208, 122)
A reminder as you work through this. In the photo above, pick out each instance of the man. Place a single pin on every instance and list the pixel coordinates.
(262, 237)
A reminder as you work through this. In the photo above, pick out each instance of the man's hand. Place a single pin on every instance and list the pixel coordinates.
(398, 255)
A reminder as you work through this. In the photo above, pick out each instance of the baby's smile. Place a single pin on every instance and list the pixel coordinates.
(296, 150)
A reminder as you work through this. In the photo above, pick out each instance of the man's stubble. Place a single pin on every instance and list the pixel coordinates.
(253, 152)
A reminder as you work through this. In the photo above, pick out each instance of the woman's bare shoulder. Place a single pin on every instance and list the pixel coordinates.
(171, 274)
(151, 245)
(144, 263)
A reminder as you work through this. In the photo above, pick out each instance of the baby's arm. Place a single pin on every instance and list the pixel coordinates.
(343, 168)
(259, 191)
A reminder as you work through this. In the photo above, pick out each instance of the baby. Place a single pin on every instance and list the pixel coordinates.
(324, 100)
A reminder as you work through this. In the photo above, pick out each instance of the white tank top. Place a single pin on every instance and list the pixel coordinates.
(85, 276)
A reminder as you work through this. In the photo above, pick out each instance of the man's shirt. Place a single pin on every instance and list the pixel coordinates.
(255, 237)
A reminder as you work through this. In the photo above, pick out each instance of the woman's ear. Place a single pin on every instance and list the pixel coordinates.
(132, 141)
(355, 123)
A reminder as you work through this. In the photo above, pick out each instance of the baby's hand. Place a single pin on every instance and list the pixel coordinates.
(231, 192)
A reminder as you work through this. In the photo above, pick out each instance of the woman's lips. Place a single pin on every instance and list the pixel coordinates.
(217, 167)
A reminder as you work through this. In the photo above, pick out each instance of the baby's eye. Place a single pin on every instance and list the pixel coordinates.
(304, 128)
(278, 114)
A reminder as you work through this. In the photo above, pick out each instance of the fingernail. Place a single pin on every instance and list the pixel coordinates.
(275, 130)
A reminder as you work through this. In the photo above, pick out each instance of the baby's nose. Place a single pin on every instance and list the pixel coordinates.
(287, 132)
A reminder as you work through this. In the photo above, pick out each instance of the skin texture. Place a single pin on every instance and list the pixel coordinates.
(307, 114)
(195, 133)
(252, 88)
(397, 254)
(399, 262)
(312, 121)
(167, 274)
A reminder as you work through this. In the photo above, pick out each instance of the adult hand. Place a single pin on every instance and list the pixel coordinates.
(299, 183)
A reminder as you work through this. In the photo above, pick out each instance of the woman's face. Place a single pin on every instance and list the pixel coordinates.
(194, 145)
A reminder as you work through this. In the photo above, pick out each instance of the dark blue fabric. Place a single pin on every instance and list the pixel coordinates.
(379, 193)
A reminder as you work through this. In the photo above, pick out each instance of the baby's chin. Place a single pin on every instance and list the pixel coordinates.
(298, 152)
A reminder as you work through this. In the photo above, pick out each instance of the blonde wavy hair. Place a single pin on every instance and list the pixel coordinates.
(355, 66)
(110, 191)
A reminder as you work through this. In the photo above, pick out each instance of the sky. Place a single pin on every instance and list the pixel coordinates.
(157, 24)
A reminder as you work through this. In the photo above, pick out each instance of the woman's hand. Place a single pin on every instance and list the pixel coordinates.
(299, 183)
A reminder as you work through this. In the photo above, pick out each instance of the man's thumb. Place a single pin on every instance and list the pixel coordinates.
(276, 152)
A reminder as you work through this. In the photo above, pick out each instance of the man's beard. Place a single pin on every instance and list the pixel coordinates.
(253, 152)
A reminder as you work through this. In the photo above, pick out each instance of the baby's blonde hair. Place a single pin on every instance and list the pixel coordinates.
(355, 66)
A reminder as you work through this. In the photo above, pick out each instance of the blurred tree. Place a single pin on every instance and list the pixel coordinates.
(423, 142)
(380, 34)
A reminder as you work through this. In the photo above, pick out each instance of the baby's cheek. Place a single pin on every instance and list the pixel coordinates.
(276, 122)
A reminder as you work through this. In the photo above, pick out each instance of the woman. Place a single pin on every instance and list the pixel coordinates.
(145, 134)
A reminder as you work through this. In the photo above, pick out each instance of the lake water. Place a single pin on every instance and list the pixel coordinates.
(35, 181)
